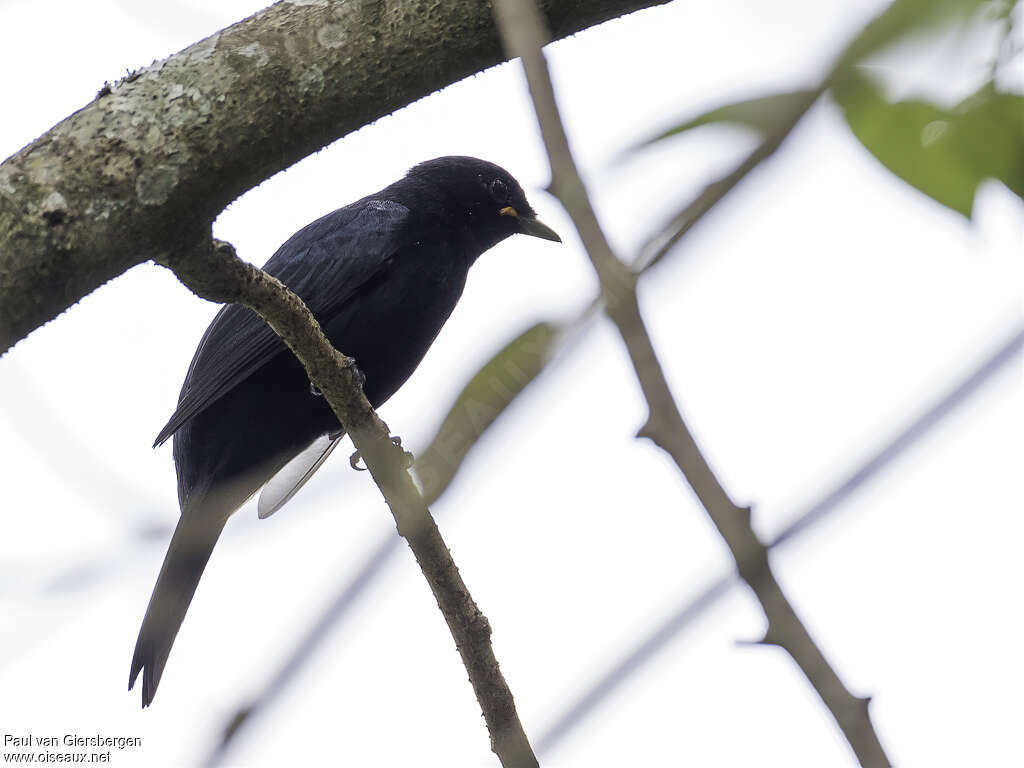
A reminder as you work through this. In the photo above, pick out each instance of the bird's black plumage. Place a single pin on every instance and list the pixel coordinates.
(381, 275)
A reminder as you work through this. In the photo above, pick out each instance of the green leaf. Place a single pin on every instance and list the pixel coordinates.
(766, 114)
(992, 128)
(904, 18)
(772, 113)
(481, 402)
(945, 153)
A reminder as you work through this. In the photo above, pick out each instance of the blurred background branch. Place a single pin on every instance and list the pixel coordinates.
(690, 608)
(523, 34)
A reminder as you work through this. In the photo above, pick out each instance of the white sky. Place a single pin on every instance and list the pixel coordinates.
(823, 306)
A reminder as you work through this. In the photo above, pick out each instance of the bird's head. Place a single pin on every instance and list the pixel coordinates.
(483, 196)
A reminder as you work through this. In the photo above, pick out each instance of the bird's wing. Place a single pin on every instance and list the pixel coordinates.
(295, 474)
(325, 263)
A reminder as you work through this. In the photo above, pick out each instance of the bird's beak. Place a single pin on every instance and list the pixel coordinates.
(531, 225)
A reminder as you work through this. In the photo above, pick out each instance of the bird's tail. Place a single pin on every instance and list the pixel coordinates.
(190, 548)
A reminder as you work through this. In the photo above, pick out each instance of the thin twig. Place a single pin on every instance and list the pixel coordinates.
(655, 249)
(523, 35)
(692, 608)
(217, 274)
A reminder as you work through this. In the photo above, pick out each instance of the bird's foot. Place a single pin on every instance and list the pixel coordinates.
(358, 373)
(353, 461)
(407, 458)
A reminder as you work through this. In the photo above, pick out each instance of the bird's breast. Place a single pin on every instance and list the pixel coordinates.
(396, 317)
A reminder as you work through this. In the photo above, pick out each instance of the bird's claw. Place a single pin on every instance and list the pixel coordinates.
(358, 373)
(407, 458)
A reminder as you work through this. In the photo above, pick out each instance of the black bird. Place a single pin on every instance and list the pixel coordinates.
(381, 275)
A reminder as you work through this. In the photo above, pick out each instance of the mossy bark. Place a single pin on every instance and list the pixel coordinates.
(142, 171)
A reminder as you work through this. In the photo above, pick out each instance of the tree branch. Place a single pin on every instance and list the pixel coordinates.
(523, 34)
(655, 249)
(143, 170)
(214, 272)
(691, 608)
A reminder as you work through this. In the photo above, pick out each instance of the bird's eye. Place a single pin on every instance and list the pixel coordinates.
(499, 190)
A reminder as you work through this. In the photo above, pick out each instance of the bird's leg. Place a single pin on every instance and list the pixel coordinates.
(355, 458)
